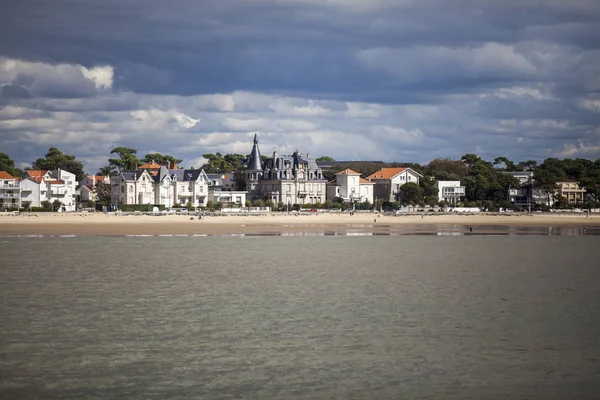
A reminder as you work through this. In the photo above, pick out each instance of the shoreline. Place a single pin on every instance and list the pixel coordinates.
(99, 224)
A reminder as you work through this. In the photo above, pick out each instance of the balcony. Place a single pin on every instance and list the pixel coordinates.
(9, 186)
(58, 192)
(9, 195)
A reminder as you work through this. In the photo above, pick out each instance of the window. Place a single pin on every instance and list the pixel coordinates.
(122, 189)
(130, 189)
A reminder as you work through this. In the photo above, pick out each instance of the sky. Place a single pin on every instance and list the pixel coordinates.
(389, 80)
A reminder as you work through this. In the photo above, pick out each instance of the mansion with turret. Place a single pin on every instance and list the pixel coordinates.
(289, 179)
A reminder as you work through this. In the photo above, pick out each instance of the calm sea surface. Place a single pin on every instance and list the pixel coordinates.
(391, 317)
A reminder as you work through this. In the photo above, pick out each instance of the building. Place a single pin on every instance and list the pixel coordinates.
(34, 188)
(10, 191)
(38, 186)
(450, 192)
(572, 192)
(350, 187)
(389, 180)
(87, 188)
(289, 179)
(132, 187)
(221, 189)
(526, 194)
(160, 186)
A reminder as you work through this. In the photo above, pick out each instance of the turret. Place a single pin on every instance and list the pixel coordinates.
(254, 169)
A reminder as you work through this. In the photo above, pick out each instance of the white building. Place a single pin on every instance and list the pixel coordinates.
(162, 186)
(350, 187)
(38, 186)
(389, 180)
(290, 179)
(450, 191)
(132, 187)
(10, 191)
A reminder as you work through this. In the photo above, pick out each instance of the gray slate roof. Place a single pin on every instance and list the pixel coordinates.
(254, 163)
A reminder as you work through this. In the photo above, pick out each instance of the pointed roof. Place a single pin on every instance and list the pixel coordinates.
(36, 172)
(254, 163)
(6, 175)
(348, 171)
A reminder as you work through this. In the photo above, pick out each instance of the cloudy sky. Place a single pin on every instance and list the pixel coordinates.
(391, 80)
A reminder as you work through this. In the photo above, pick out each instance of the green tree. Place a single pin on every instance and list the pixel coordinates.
(56, 205)
(127, 159)
(57, 159)
(411, 193)
(427, 183)
(108, 170)
(161, 159)
(508, 165)
(445, 169)
(325, 158)
(7, 164)
(216, 163)
(547, 174)
(102, 191)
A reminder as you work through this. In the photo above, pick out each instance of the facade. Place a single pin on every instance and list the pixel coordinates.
(526, 194)
(227, 197)
(38, 186)
(350, 187)
(389, 180)
(290, 179)
(10, 191)
(450, 191)
(87, 189)
(160, 186)
(572, 192)
(132, 187)
(221, 190)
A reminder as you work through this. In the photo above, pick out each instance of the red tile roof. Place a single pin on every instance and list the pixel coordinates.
(6, 175)
(362, 180)
(154, 165)
(386, 173)
(36, 172)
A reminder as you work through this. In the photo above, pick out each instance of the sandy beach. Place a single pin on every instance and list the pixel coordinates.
(142, 224)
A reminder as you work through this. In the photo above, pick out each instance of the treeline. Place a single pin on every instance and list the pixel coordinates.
(484, 181)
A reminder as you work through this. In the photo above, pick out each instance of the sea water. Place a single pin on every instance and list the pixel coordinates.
(387, 317)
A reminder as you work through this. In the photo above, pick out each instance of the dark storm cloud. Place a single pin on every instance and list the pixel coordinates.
(429, 78)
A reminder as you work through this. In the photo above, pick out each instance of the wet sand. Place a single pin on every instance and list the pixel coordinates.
(284, 223)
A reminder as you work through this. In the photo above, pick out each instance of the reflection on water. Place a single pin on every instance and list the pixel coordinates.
(391, 230)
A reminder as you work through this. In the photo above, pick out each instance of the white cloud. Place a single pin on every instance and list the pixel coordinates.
(54, 80)
(579, 150)
(101, 76)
